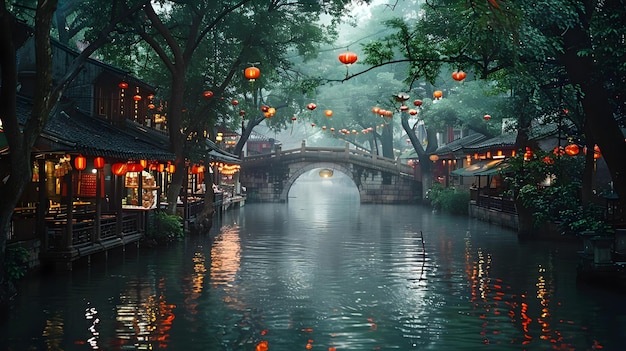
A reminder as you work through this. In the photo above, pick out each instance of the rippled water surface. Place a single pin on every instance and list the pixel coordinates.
(323, 272)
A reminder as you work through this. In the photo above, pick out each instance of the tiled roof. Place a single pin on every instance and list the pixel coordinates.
(460, 144)
(74, 131)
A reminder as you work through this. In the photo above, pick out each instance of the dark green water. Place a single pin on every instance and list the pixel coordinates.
(326, 271)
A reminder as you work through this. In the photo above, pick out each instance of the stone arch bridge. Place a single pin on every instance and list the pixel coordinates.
(268, 177)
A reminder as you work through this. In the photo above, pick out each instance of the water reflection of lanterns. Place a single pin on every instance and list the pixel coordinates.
(326, 173)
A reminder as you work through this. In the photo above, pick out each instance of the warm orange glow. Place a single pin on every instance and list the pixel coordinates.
(137, 97)
(459, 75)
(572, 150)
(80, 162)
(98, 162)
(438, 94)
(123, 85)
(119, 169)
(311, 106)
(348, 58)
(328, 113)
(208, 94)
(252, 73)
(433, 158)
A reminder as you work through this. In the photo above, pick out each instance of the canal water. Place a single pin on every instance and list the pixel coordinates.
(323, 272)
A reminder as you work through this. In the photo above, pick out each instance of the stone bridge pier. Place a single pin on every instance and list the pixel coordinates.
(269, 177)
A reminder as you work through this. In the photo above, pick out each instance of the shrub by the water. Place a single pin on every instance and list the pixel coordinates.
(166, 228)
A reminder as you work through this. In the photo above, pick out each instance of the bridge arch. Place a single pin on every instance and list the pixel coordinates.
(311, 166)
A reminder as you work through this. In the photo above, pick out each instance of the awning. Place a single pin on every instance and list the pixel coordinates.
(481, 168)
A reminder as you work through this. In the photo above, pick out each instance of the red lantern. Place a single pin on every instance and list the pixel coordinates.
(171, 168)
(208, 94)
(293, 118)
(151, 106)
(137, 97)
(119, 169)
(417, 103)
(98, 162)
(194, 169)
(404, 108)
(311, 106)
(376, 109)
(348, 58)
(486, 117)
(134, 167)
(252, 73)
(412, 112)
(234, 102)
(123, 85)
(596, 152)
(265, 108)
(572, 150)
(437, 94)
(459, 75)
(242, 113)
(312, 124)
(161, 167)
(328, 113)
(80, 162)
(548, 160)
(143, 163)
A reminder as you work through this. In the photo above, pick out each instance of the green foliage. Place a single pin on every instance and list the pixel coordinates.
(165, 227)
(560, 200)
(16, 263)
(449, 199)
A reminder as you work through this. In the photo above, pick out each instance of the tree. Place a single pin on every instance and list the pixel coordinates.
(233, 33)
(21, 137)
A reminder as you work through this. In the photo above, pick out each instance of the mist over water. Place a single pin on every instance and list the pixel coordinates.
(324, 272)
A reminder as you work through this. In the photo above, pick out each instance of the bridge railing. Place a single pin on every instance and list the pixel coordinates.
(330, 154)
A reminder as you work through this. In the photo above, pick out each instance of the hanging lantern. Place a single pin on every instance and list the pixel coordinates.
(328, 113)
(143, 163)
(311, 106)
(264, 108)
(171, 168)
(242, 113)
(528, 154)
(252, 73)
(323, 127)
(123, 85)
(80, 162)
(376, 109)
(437, 94)
(433, 157)
(137, 97)
(559, 151)
(348, 58)
(417, 103)
(293, 118)
(572, 150)
(119, 169)
(134, 167)
(404, 108)
(459, 75)
(151, 106)
(234, 102)
(412, 112)
(208, 94)
(312, 124)
(194, 169)
(596, 152)
(150, 96)
(486, 117)
(161, 167)
(98, 162)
